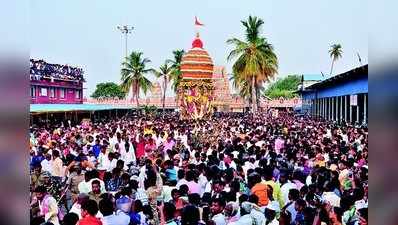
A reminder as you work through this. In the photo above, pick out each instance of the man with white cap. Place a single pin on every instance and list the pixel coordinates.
(270, 211)
(231, 213)
(256, 212)
(245, 217)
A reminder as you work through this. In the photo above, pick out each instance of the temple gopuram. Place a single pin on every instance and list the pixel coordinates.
(222, 94)
(196, 87)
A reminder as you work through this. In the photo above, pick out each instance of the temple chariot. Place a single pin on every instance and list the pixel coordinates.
(196, 88)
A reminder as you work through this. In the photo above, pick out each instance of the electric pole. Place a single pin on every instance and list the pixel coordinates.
(359, 58)
(125, 29)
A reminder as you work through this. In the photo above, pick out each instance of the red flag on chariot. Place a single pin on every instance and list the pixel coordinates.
(197, 23)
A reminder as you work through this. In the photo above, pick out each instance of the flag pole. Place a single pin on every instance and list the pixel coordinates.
(196, 27)
(359, 58)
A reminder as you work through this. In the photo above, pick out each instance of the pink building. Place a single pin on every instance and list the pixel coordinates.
(55, 83)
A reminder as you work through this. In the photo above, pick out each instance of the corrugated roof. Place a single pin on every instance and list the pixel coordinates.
(38, 108)
(349, 75)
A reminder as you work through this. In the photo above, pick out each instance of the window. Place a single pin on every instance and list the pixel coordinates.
(43, 91)
(33, 91)
(62, 93)
(77, 92)
(52, 92)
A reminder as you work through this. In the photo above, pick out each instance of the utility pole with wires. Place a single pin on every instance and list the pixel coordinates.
(125, 29)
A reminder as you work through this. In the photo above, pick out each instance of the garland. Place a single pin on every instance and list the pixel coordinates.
(202, 84)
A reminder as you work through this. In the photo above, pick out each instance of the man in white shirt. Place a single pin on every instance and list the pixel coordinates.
(217, 207)
(286, 186)
(344, 136)
(203, 183)
(103, 161)
(57, 166)
(109, 218)
(160, 139)
(46, 164)
(113, 162)
(294, 194)
(330, 196)
(329, 133)
(272, 210)
(113, 141)
(245, 217)
(128, 155)
(122, 146)
(260, 143)
(166, 192)
(184, 140)
(248, 165)
(181, 178)
(258, 214)
(86, 187)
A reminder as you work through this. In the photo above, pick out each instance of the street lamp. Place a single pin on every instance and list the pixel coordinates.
(125, 29)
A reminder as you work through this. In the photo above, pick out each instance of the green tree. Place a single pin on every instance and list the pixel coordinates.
(108, 90)
(256, 61)
(335, 53)
(284, 88)
(134, 71)
(176, 75)
(149, 110)
(164, 72)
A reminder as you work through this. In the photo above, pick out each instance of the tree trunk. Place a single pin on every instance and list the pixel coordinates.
(331, 68)
(164, 94)
(177, 98)
(257, 97)
(137, 95)
(254, 99)
(136, 99)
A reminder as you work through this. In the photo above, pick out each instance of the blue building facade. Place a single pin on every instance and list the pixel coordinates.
(306, 81)
(343, 97)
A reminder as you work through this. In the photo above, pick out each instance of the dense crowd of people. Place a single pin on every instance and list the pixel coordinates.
(227, 170)
(41, 69)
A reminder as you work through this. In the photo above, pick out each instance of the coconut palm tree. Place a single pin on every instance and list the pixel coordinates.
(253, 27)
(176, 75)
(256, 61)
(245, 89)
(165, 73)
(335, 52)
(134, 71)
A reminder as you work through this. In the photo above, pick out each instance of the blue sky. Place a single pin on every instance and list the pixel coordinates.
(84, 33)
